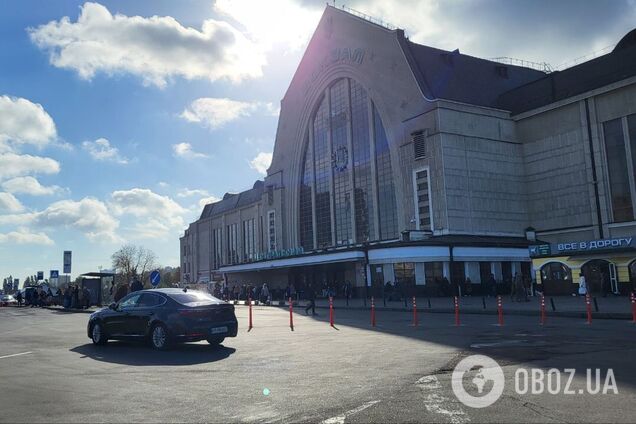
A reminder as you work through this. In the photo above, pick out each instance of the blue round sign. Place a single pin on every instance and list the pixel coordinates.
(155, 278)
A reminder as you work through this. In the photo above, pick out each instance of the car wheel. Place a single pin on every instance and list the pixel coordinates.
(215, 341)
(98, 336)
(159, 337)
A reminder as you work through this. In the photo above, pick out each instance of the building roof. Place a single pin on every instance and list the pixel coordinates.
(442, 74)
(232, 201)
(604, 70)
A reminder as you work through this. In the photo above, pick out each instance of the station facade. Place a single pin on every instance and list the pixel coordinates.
(397, 162)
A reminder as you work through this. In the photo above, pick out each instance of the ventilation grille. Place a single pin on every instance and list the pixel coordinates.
(419, 143)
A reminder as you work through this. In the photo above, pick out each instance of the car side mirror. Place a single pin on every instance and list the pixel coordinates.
(113, 306)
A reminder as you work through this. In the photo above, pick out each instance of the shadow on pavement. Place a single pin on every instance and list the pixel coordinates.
(141, 355)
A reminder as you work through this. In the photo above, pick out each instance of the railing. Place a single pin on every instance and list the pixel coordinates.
(369, 18)
(539, 66)
(585, 58)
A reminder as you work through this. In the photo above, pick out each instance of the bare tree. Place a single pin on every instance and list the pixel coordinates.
(134, 262)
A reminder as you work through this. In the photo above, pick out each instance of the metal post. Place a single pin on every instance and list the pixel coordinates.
(415, 321)
(291, 314)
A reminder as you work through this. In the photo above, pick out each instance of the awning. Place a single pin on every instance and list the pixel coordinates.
(352, 255)
(488, 254)
(409, 254)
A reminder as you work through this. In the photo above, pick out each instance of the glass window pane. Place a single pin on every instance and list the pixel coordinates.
(306, 206)
(617, 169)
(386, 193)
(362, 163)
(322, 170)
(340, 161)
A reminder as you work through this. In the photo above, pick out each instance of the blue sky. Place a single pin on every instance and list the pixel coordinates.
(119, 119)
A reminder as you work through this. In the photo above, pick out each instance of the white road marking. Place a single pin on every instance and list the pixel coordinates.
(340, 419)
(15, 354)
(437, 403)
(503, 343)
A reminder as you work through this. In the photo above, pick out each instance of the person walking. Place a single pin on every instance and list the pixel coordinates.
(520, 289)
(264, 293)
(491, 286)
(468, 287)
(582, 285)
(347, 291)
(311, 298)
(136, 285)
(76, 303)
(19, 298)
(121, 292)
(86, 296)
(236, 290)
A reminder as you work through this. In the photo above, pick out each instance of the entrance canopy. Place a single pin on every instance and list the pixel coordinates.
(348, 256)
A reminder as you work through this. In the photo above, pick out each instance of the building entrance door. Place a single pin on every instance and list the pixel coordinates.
(597, 276)
(613, 278)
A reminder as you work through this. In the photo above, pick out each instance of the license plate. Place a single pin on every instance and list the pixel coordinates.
(218, 330)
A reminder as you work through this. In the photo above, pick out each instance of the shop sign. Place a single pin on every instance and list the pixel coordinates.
(591, 245)
(277, 254)
(540, 250)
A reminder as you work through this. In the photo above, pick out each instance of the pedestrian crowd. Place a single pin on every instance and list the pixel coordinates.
(122, 290)
(73, 297)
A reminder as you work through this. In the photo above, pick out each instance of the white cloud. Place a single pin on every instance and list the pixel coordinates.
(29, 185)
(17, 218)
(24, 236)
(195, 192)
(272, 22)
(261, 162)
(102, 150)
(161, 214)
(8, 203)
(89, 215)
(13, 165)
(216, 112)
(207, 200)
(25, 122)
(184, 150)
(155, 48)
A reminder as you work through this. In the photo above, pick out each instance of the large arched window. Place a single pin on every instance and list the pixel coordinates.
(556, 278)
(346, 192)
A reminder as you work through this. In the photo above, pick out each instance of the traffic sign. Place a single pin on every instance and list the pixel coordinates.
(40, 275)
(67, 261)
(155, 278)
(54, 274)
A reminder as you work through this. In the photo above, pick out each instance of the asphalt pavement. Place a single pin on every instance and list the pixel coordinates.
(395, 372)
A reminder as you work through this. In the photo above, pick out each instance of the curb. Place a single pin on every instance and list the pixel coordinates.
(564, 314)
(69, 310)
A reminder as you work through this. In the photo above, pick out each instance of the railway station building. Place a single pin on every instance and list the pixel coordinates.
(398, 162)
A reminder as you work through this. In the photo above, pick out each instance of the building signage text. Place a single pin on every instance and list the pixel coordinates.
(277, 254)
(595, 244)
(581, 246)
(353, 56)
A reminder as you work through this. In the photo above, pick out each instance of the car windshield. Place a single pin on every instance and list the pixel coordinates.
(194, 298)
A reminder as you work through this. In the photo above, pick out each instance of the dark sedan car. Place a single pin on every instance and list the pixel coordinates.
(164, 317)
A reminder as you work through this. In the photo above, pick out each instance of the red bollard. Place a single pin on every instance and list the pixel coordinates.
(249, 302)
(456, 311)
(415, 321)
(633, 299)
(291, 315)
(542, 309)
(331, 311)
(372, 312)
(499, 311)
(588, 307)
